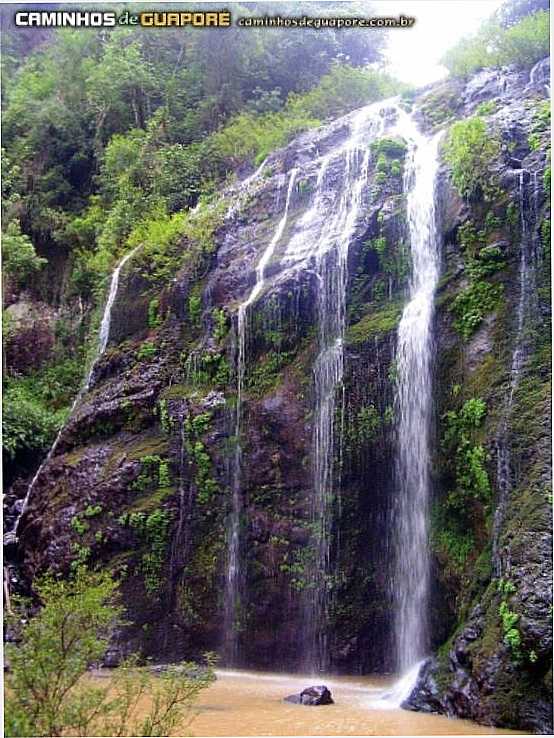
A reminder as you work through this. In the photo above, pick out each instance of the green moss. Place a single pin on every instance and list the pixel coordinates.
(147, 350)
(176, 392)
(438, 107)
(148, 502)
(155, 445)
(268, 372)
(374, 324)
(486, 108)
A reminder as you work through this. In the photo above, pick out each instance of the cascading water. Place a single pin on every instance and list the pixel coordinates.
(234, 573)
(104, 334)
(339, 191)
(410, 581)
(527, 310)
(103, 337)
(414, 407)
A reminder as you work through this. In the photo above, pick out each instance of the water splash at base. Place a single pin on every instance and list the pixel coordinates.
(394, 696)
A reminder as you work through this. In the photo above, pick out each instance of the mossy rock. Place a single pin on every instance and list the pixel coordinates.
(150, 502)
(375, 324)
(153, 445)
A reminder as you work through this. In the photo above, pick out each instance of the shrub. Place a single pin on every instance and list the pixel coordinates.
(46, 693)
(522, 44)
(68, 634)
(472, 304)
(469, 150)
(27, 425)
(469, 456)
(19, 258)
(525, 43)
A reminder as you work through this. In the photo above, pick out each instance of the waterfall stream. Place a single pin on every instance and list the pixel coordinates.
(234, 568)
(528, 194)
(410, 580)
(414, 407)
(336, 209)
(103, 337)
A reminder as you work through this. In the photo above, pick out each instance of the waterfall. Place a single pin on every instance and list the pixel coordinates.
(414, 407)
(104, 334)
(11, 536)
(526, 312)
(234, 570)
(331, 222)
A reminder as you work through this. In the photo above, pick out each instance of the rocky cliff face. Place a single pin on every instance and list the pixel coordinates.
(141, 479)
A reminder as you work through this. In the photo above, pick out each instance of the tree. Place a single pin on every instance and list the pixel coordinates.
(47, 693)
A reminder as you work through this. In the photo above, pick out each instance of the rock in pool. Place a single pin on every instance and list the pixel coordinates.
(312, 696)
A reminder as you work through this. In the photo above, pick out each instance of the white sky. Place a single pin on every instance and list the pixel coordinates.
(414, 53)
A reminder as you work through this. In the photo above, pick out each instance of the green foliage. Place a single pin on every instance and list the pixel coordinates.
(368, 422)
(364, 427)
(391, 148)
(19, 258)
(154, 318)
(522, 44)
(153, 529)
(220, 322)
(147, 350)
(48, 693)
(487, 107)
(79, 526)
(27, 423)
(545, 233)
(534, 141)
(165, 419)
(164, 478)
(195, 308)
(512, 636)
(344, 89)
(154, 473)
(45, 695)
(209, 369)
(481, 261)
(92, 510)
(454, 546)
(468, 457)
(541, 127)
(206, 486)
(267, 372)
(505, 587)
(470, 150)
(472, 304)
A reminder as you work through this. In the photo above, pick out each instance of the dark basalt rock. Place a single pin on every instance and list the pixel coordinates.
(312, 696)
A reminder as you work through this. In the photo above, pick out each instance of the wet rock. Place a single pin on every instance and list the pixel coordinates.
(540, 74)
(312, 696)
(195, 671)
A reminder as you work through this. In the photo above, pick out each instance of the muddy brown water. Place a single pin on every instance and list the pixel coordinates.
(249, 703)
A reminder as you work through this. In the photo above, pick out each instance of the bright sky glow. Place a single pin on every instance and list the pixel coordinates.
(414, 54)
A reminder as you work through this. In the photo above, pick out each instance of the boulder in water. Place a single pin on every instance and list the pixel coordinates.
(311, 696)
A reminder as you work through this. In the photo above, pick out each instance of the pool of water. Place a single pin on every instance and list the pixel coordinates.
(247, 703)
